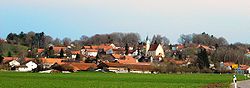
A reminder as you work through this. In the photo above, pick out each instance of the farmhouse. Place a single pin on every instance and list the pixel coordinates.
(82, 66)
(27, 67)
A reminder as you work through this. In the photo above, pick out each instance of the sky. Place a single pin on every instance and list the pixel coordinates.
(170, 18)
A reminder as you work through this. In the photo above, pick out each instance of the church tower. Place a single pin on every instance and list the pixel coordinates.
(147, 45)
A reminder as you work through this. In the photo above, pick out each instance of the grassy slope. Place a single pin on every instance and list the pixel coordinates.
(14, 49)
(108, 80)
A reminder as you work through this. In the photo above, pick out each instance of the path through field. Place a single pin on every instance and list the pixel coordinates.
(243, 84)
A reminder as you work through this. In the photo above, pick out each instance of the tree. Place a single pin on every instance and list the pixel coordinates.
(48, 40)
(50, 52)
(131, 39)
(61, 53)
(84, 40)
(9, 54)
(230, 53)
(158, 39)
(185, 39)
(127, 49)
(57, 42)
(78, 58)
(1, 59)
(66, 41)
(208, 40)
(203, 58)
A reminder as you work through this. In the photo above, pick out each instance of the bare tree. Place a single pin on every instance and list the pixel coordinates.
(66, 41)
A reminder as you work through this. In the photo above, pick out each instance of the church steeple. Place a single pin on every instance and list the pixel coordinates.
(147, 38)
(147, 45)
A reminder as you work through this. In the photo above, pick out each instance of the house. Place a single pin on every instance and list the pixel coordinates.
(155, 50)
(114, 67)
(82, 66)
(244, 68)
(126, 68)
(48, 62)
(106, 58)
(228, 65)
(91, 52)
(124, 59)
(14, 63)
(74, 54)
(119, 51)
(248, 69)
(27, 67)
(8, 59)
(140, 68)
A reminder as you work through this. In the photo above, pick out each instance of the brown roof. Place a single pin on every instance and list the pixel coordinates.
(117, 56)
(82, 66)
(115, 65)
(153, 47)
(177, 62)
(141, 67)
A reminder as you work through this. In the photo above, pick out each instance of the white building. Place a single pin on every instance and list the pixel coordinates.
(28, 67)
(248, 70)
(14, 63)
(155, 50)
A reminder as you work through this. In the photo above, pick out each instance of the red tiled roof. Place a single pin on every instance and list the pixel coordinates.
(153, 47)
(52, 60)
(86, 47)
(29, 59)
(58, 49)
(10, 58)
(94, 47)
(128, 59)
(40, 50)
(244, 67)
(6, 59)
(75, 52)
(228, 63)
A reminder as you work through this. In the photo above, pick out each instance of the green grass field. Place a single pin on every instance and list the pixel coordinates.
(110, 80)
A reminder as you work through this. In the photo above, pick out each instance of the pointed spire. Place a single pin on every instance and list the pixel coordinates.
(147, 38)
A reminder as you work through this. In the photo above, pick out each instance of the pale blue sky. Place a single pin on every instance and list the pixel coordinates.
(171, 18)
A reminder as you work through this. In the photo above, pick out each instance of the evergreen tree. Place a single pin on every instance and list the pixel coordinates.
(77, 57)
(202, 58)
(1, 59)
(61, 53)
(127, 49)
(9, 54)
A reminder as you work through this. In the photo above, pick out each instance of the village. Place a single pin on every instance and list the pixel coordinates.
(147, 57)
